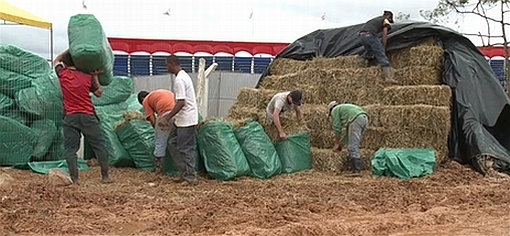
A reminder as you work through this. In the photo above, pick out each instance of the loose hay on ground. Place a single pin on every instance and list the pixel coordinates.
(435, 95)
(258, 98)
(325, 160)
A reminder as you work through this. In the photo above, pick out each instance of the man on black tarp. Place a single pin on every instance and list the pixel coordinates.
(373, 46)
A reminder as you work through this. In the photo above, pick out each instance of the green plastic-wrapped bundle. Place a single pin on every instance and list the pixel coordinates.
(223, 156)
(295, 153)
(89, 46)
(17, 142)
(137, 137)
(117, 91)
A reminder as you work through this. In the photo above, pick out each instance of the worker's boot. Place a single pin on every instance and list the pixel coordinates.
(158, 165)
(388, 75)
(356, 166)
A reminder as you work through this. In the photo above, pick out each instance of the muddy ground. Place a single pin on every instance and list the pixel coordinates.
(454, 201)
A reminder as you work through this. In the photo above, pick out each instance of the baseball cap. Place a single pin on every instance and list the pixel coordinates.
(331, 105)
(297, 97)
(390, 14)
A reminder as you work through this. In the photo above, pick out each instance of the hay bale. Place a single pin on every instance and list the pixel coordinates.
(325, 160)
(419, 138)
(337, 62)
(241, 112)
(425, 55)
(372, 139)
(258, 98)
(418, 75)
(282, 66)
(373, 114)
(435, 95)
(291, 126)
(415, 116)
(359, 86)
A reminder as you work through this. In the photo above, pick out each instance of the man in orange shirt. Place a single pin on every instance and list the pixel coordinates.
(157, 104)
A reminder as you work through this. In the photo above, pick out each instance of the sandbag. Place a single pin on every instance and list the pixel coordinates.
(21, 62)
(109, 117)
(295, 153)
(259, 150)
(403, 163)
(137, 137)
(223, 157)
(17, 142)
(45, 131)
(89, 46)
(133, 104)
(171, 169)
(56, 150)
(44, 100)
(5, 102)
(15, 114)
(45, 167)
(11, 82)
(119, 90)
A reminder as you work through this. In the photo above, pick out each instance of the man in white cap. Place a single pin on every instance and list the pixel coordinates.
(355, 119)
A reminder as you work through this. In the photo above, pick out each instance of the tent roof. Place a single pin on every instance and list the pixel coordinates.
(12, 13)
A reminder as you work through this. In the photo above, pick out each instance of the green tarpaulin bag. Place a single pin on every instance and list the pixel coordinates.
(17, 142)
(134, 105)
(117, 91)
(295, 153)
(6, 103)
(259, 150)
(44, 100)
(223, 157)
(56, 150)
(21, 62)
(403, 163)
(171, 169)
(109, 117)
(89, 46)
(137, 137)
(44, 167)
(45, 131)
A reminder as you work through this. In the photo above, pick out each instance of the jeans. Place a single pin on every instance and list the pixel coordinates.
(356, 131)
(161, 137)
(76, 124)
(374, 47)
(182, 147)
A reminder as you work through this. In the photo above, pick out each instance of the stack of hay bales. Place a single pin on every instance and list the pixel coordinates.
(413, 114)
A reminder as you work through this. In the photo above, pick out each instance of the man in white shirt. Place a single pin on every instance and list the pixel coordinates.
(281, 103)
(182, 138)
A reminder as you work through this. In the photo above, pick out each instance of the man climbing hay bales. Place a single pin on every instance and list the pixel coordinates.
(373, 46)
(158, 102)
(281, 103)
(80, 115)
(355, 120)
(182, 138)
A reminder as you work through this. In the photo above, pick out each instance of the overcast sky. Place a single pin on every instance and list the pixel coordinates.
(272, 21)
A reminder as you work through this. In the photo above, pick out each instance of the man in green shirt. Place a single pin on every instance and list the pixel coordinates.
(355, 120)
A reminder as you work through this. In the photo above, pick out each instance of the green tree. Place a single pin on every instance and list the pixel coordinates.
(478, 8)
(402, 16)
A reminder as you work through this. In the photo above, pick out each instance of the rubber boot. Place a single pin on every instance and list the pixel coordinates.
(105, 177)
(158, 164)
(388, 76)
(72, 164)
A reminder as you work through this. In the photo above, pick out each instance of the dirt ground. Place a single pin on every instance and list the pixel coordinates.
(454, 201)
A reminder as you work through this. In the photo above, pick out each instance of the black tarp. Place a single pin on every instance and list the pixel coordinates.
(480, 107)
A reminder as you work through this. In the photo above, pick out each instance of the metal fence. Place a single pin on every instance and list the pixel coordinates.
(223, 87)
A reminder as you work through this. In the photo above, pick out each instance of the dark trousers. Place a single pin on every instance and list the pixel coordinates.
(182, 147)
(374, 48)
(74, 126)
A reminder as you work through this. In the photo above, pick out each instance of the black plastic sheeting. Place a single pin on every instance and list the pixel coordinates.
(480, 107)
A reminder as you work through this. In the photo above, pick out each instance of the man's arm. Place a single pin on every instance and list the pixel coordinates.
(276, 120)
(152, 119)
(384, 37)
(299, 115)
(96, 88)
(180, 97)
(58, 59)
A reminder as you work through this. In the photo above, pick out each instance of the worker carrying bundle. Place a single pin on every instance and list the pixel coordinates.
(355, 120)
